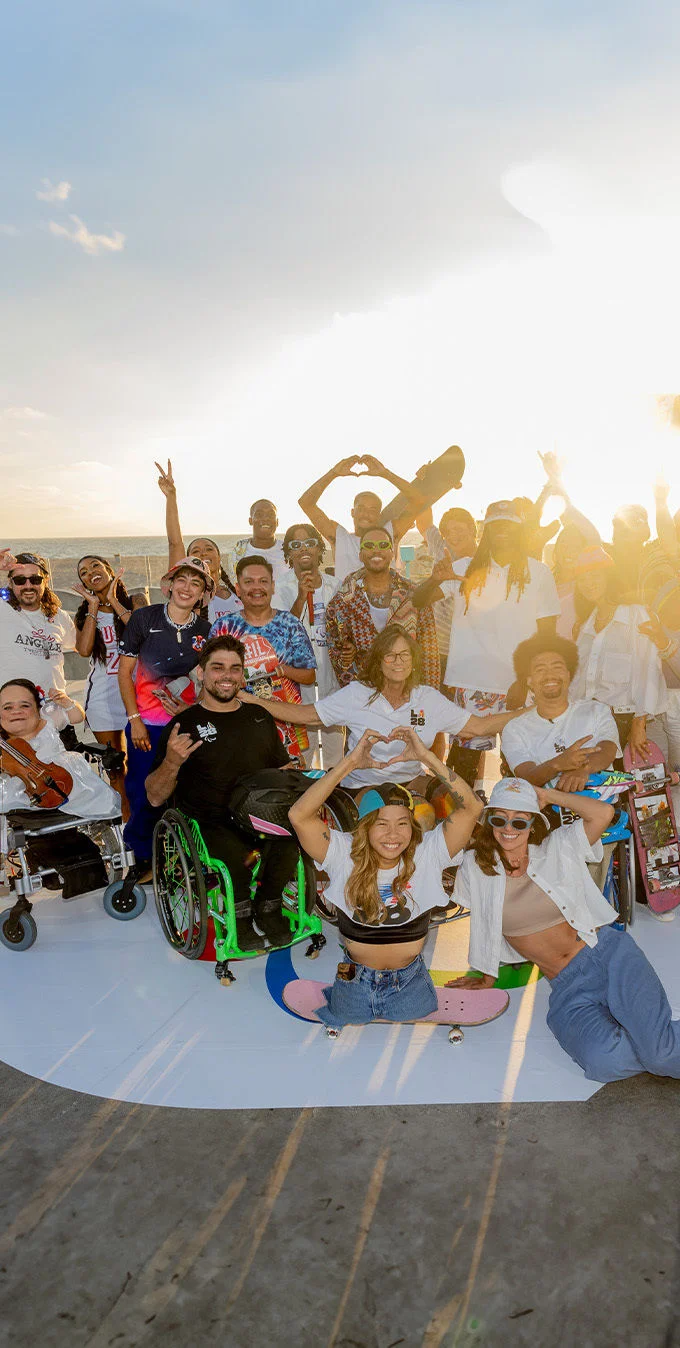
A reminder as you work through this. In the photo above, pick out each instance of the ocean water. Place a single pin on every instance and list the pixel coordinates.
(154, 545)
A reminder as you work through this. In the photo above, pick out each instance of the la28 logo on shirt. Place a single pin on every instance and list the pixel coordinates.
(418, 717)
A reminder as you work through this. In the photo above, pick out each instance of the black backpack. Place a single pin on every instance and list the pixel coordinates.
(260, 803)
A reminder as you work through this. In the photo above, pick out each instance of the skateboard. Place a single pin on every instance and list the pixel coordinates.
(655, 830)
(304, 996)
(438, 477)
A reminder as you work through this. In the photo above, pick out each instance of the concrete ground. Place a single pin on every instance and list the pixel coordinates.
(460, 1225)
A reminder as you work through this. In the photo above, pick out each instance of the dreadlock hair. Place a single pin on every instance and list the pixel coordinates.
(49, 603)
(123, 598)
(478, 568)
(203, 538)
(380, 647)
(362, 887)
(486, 849)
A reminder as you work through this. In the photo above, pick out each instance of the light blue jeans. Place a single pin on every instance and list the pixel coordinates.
(380, 994)
(609, 1012)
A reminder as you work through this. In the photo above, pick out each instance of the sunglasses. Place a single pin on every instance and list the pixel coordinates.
(303, 543)
(500, 821)
(27, 580)
(381, 547)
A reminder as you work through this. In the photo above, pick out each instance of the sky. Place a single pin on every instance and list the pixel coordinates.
(256, 238)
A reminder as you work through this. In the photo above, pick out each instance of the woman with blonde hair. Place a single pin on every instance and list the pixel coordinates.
(385, 878)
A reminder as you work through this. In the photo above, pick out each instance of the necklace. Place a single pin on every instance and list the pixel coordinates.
(179, 627)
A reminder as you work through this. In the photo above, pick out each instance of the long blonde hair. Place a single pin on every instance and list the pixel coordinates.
(362, 887)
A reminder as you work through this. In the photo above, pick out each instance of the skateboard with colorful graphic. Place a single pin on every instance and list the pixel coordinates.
(432, 482)
(304, 996)
(655, 829)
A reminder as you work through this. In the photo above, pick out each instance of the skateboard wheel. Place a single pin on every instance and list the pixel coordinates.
(332, 1032)
(456, 1035)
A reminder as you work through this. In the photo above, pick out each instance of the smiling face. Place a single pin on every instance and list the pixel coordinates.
(397, 662)
(390, 835)
(95, 575)
(222, 677)
(27, 584)
(549, 681)
(264, 522)
(376, 551)
(514, 843)
(459, 534)
(503, 535)
(186, 589)
(255, 587)
(206, 551)
(18, 712)
(307, 558)
(366, 510)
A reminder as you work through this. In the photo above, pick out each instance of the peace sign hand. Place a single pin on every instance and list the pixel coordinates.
(166, 481)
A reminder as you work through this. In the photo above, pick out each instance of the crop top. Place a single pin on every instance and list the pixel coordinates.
(527, 908)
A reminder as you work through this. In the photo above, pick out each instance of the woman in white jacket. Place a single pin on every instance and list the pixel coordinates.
(618, 664)
(531, 897)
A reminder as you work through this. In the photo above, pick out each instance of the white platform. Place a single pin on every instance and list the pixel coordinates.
(106, 1007)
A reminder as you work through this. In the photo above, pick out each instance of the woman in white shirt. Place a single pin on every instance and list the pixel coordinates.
(618, 664)
(531, 897)
(385, 878)
(389, 695)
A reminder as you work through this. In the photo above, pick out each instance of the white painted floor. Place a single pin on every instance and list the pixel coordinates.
(107, 1008)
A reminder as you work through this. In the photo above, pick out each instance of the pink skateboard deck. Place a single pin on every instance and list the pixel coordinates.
(456, 1007)
(655, 830)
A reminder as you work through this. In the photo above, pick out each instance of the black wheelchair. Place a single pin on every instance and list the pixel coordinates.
(193, 889)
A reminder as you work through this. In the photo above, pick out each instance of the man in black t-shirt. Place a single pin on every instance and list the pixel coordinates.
(201, 756)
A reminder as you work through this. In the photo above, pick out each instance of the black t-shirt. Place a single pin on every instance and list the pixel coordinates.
(235, 744)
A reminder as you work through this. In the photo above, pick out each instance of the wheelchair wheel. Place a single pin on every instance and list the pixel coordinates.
(124, 903)
(179, 886)
(18, 932)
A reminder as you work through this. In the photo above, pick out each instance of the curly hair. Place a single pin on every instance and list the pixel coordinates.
(373, 674)
(487, 851)
(478, 569)
(362, 887)
(99, 646)
(544, 643)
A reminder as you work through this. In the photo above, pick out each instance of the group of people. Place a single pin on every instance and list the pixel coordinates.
(273, 654)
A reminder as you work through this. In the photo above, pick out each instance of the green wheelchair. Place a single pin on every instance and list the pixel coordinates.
(193, 889)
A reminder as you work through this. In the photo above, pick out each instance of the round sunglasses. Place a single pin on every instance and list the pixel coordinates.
(500, 821)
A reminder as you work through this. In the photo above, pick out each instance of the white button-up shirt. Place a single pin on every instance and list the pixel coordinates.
(558, 867)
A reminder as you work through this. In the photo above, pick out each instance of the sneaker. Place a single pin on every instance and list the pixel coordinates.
(275, 926)
(246, 935)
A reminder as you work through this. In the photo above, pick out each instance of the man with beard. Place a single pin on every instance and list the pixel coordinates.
(202, 754)
(366, 511)
(34, 629)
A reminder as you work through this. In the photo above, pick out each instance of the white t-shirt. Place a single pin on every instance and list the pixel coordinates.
(104, 707)
(246, 548)
(619, 665)
(285, 596)
(423, 891)
(221, 606)
(90, 798)
(484, 638)
(347, 552)
(534, 739)
(378, 616)
(32, 646)
(426, 710)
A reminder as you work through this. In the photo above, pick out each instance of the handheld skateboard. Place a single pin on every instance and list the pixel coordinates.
(655, 830)
(456, 1007)
(436, 478)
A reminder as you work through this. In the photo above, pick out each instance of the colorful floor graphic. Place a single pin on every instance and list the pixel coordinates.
(107, 1008)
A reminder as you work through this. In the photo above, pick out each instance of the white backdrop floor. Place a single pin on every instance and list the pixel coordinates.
(107, 1008)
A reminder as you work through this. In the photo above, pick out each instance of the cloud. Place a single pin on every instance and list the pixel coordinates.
(25, 414)
(10, 231)
(90, 243)
(53, 191)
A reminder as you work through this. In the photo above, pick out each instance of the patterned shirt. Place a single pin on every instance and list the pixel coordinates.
(281, 641)
(348, 618)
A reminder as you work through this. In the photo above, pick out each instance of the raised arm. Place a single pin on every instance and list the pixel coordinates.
(596, 814)
(166, 483)
(309, 499)
(459, 825)
(665, 528)
(312, 832)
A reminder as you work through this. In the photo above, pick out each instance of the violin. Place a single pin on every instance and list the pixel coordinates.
(47, 785)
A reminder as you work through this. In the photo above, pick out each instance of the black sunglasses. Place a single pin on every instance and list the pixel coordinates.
(27, 580)
(500, 821)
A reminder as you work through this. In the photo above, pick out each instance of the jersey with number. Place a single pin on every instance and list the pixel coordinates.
(104, 709)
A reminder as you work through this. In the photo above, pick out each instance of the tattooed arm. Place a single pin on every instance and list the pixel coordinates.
(459, 825)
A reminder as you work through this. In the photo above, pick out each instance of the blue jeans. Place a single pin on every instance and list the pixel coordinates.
(380, 994)
(609, 1012)
(138, 831)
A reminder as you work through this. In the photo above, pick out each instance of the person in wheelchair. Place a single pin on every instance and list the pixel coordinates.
(75, 856)
(202, 754)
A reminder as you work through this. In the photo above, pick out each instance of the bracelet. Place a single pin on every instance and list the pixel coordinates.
(136, 716)
(93, 616)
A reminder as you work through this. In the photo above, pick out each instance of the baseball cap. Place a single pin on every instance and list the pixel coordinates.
(502, 510)
(188, 564)
(592, 559)
(514, 793)
(389, 794)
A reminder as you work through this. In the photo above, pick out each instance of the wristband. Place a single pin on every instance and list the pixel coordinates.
(136, 716)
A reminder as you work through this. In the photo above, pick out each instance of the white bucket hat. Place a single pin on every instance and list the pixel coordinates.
(514, 793)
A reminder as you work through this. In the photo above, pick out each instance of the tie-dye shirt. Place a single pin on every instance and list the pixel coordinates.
(281, 641)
